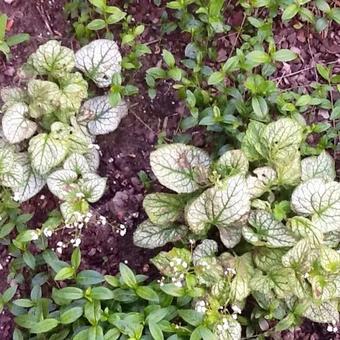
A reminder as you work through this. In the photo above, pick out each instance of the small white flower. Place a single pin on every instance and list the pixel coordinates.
(102, 220)
(236, 309)
(110, 160)
(35, 236)
(126, 261)
(59, 250)
(80, 195)
(185, 265)
(122, 232)
(234, 316)
(77, 242)
(42, 197)
(329, 328)
(178, 284)
(335, 329)
(80, 225)
(48, 232)
(60, 243)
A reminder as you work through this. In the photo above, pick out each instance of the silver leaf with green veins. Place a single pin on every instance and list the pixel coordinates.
(99, 60)
(77, 163)
(322, 166)
(12, 95)
(100, 116)
(93, 186)
(321, 201)
(265, 230)
(15, 125)
(205, 249)
(149, 235)
(231, 163)
(230, 236)
(60, 182)
(323, 312)
(52, 58)
(31, 184)
(228, 329)
(181, 168)
(163, 208)
(221, 205)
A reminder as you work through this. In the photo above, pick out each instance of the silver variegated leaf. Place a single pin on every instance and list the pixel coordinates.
(149, 235)
(16, 126)
(77, 163)
(46, 152)
(92, 186)
(228, 329)
(181, 168)
(282, 139)
(61, 182)
(321, 201)
(163, 208)
(230, 236)
(52, 59)
(99, 60)
(44, 96)
(261, 182)
(32, 182)
(304, 228)
(221, 205)
(100, 116)
(12, 95)
(323, 312)
(205, 249)
(93, 159)
(265, 230)
(289, 170)
(322, 166)
(231, 163)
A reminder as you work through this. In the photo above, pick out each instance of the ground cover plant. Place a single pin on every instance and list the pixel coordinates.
(195, 142)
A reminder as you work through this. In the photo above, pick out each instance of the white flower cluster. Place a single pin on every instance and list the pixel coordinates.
(121, 230)
(75, 241)
(60, 246)
(332, 328)
(48, 232)
(230, 271)
(80, 222)
(200, 306)
(178, 266)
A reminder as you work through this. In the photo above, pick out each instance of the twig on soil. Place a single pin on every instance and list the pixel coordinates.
(303, 70)
(45, 18)
(153, 41)
(238, 35)
(140, 119)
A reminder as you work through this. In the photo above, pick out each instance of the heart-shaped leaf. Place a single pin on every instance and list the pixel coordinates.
(181, 168)
(61, 182)
(99, 60)
(231, 163)
(15, 125)
(321, 201)
(221, 205)
(265, 230)
(205, 249)
(322, 166)
(100, 116)
(77, 163)
(149, 235)
(52, 59)
(92, 186)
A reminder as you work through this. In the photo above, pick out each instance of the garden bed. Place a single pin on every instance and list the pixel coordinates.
(125, 153)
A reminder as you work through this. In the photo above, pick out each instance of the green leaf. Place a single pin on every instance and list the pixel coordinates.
(127, 275)
(322, 166)
(147, 293)
(89, 278)
(64, 273)
(61, 183)
(100, 116)
(149, 235)
(29, 259)
(52, 59)
(168, 58)
(3, 24)
(96, 25)
(265, 230)
(44, 326)
(156, 331)
(99, 60)
(226, 203)
(70, 293)
(9, 293)
(191, 316)
(290, 12)
(321, 24)
(116, 15)
(258, 57)
(173, 290)
(16, 126)
(17, 39)
(321, 201)
(284, 55)
(101, 293)
(71, 315)
(25, 303)
(46, 152)
(76, 259)
(260, 108)
(324, 72)
(216, 78)
(181, 168)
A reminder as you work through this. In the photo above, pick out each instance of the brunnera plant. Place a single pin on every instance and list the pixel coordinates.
(270, 206)
(49, 124)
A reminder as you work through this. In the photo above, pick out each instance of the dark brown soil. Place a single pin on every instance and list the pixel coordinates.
(126, 151)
